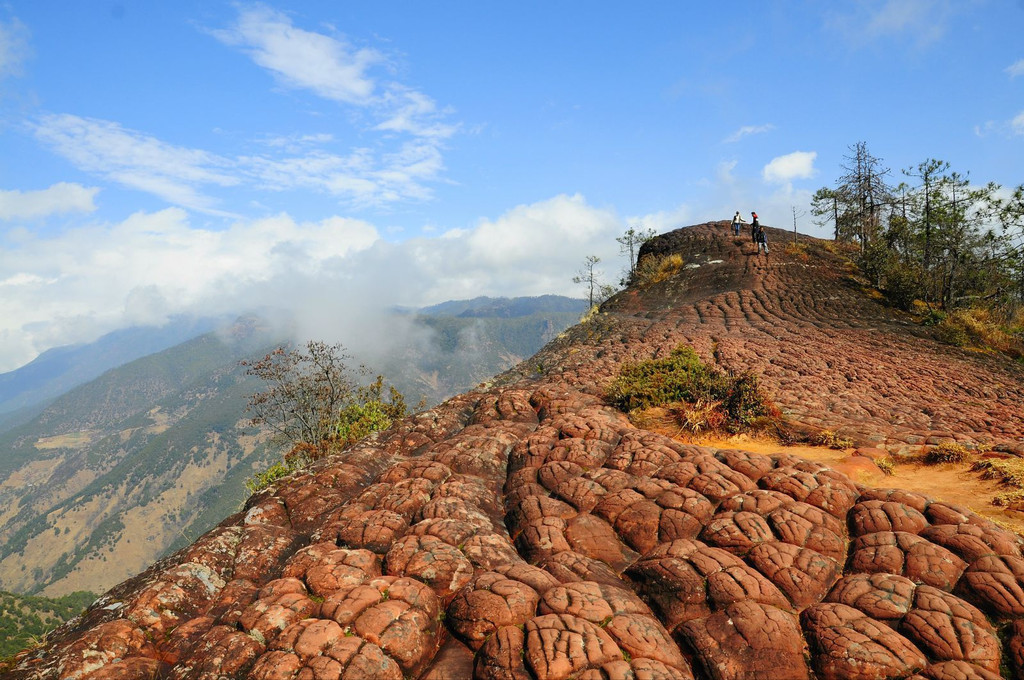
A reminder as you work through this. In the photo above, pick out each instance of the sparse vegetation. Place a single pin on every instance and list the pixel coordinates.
(313, 397)
(887, 465)
(832, 440)
(654, 269)
(1008, 471)
(25, 620)
(797, 251)
(980, 329)
(947, 452)
(629, 244)
(698, 397)
(313, 402)
(261, 480)
(590, 276)
(939, 241)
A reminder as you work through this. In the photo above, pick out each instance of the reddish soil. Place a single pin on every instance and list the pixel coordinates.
(529, 530)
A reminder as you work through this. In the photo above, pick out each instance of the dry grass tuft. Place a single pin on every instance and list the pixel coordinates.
(653, 269)
(948, 452)
(1008, 471)
(797, 251)
(978, 328)
(832, 440)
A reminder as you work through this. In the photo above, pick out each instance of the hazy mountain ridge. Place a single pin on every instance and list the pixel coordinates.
(142, 471)
(149, 455)
(60, 369)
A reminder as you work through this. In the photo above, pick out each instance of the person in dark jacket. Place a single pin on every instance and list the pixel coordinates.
(754, 226)
(761, 239)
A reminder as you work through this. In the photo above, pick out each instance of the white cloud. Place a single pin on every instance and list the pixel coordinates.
(1017, 124)
(86, 281)
(747, 130)
(665, 220)
(133, 159)
(1016, 69)
(414, 113)
(784, 169)
(14, 47)
(62, 197)
(333, 69)
(333, 277)
(187, 177)
(301, 59)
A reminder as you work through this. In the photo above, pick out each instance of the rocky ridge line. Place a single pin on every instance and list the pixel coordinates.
(528, 530)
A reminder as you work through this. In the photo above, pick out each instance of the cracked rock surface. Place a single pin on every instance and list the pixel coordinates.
(529, 530)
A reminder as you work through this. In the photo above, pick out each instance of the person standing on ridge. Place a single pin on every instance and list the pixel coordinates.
(761, 239)
(736, 222)
(754, 226)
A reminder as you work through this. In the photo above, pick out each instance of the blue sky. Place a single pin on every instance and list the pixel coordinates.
(330, 158)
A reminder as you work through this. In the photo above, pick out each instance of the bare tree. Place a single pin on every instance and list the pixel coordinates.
(306, 390)
(630, 243)
(590, 276)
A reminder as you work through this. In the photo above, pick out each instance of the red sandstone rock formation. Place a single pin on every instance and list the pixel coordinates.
(528, 530)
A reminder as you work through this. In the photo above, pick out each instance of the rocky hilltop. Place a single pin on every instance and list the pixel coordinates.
(528, 530)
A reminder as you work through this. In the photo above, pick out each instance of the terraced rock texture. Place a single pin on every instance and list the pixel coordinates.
(529, 530)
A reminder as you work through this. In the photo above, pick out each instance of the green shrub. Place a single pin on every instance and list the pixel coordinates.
(261, 480)
(681, 376)
(903, 286)
(692, 391)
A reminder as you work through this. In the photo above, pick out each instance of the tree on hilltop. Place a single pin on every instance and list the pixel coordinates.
(630, 242)
(590, 276)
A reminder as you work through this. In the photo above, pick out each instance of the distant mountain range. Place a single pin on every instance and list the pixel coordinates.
(57, 370)
(102, 479)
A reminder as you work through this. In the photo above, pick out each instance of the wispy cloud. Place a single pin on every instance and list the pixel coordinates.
(748, 130)
(919, 22)
(1017, 124)
(1006, 128)
(362, 178)
(365, 177)
(784, 169)
(302, 59)
(404, 146)
(63, 197)
(15, 48)
(133, 159)
(1016, 69)
(330, 67)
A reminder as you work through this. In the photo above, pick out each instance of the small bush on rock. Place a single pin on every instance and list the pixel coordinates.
(947, 452)
(832, 440)
(700, 397)
(654, 269)
(1009, 471)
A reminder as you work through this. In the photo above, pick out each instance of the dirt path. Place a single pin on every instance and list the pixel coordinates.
(950, 482)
